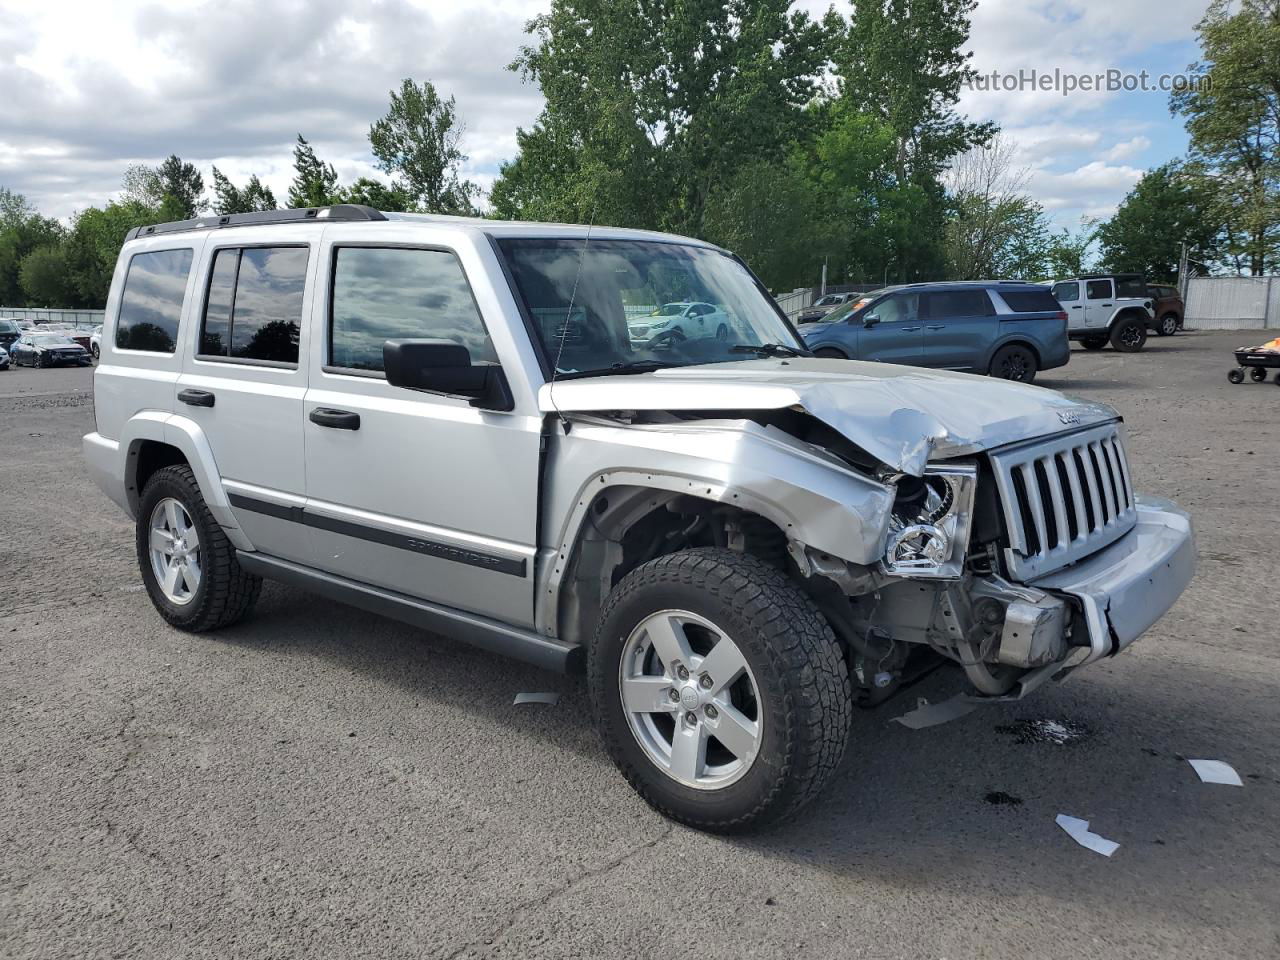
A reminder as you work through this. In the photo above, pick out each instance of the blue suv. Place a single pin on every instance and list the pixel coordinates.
(1003, 328)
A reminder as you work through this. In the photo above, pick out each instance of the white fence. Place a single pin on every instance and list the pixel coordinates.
(81, 319)
(1233, 303)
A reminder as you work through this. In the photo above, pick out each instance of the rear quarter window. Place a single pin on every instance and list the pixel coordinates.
(1031, 301)
(151, 304)
(1131, 288)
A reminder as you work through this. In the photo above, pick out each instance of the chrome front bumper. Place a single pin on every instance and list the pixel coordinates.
(1126, 587)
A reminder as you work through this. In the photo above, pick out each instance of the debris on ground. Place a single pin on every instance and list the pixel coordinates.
(1079, 831)
(1216, 771)
(928, 714)
(1058, 732)
(1001, 799)
(548, 698)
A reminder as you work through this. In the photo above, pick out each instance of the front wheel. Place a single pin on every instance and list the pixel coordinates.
(829, 354)
(1258, 374)
(1168, 325)
(1014, 363)
(718, 689)
(188, 565)
(96, 350)
(1129, 336)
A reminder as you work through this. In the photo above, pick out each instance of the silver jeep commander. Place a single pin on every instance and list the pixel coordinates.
(449, 422)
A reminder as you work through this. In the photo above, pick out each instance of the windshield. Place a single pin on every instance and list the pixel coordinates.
(629, 302)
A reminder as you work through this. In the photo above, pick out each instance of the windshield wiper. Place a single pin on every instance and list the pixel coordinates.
(621, 367)
(768, 350)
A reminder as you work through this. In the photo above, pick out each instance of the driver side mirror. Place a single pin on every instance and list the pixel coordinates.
(442, 366)
(871, 321)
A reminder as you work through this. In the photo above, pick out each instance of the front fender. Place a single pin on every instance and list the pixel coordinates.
(811, 496)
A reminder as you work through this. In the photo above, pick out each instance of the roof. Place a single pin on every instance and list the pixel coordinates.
(359, 213)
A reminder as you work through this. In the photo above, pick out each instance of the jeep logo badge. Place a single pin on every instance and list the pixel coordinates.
(1068, 416)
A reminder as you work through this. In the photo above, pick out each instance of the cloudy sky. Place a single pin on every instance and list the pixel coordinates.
(86, 88)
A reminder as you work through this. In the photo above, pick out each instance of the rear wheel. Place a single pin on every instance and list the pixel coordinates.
(719, 690)
(1129, 336)
(1259, 374)
(1093, 343)
(1236, 375)
(188, 565)
(1168, 325)
(1014, 362)
(96, 351)
(722, 332)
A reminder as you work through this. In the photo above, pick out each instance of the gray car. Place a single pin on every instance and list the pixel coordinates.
(1006, 329)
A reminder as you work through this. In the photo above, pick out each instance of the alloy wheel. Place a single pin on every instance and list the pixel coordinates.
(690, 699)
(175, 551)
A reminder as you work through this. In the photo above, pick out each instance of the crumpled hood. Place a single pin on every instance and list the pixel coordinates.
(902, 416)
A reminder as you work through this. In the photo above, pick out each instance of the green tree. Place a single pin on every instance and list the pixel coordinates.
(315, 183)
(22, 230)
(1166, 208)
(174, 188)
(1067, 254)
(376, 194)
(94, 244)
(902, 62)
(417, 142)
(252, 197)
(651, 106)
(1234, 123)
(45, 279)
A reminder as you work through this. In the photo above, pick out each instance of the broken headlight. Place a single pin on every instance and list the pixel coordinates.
(929, 526)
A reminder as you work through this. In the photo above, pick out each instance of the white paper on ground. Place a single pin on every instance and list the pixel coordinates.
(551, 698)
(931, 714)
(1216, 771)
(1079, 831)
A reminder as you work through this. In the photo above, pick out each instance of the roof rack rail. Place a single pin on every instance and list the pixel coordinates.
(339, 211)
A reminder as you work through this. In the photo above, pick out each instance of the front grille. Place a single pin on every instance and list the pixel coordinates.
(1063, 499)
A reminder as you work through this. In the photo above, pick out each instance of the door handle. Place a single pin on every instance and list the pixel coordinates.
(1108, 304)
(936, 326)
(196, 398)
(337, 419)
(910, 329)
(1076, 307)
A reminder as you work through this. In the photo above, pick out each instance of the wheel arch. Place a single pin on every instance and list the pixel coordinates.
(1126, 313)
(1013, 340)
(152, 440)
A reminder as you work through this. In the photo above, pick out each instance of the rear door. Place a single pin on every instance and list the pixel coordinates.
(242, 381)
(959, 328)
(895, 334)
(1099, 303)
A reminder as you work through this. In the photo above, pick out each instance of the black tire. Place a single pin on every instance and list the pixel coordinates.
(805, 699)
(1168, 325)
(1014, 362)
(1236, 375)
(1258, 374)
(1093, 343)
(722, 332)
(1129, 335)
(226, 592)
(95, 350)
(826, 353)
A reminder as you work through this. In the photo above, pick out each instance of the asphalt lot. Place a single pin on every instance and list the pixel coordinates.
(320, 782)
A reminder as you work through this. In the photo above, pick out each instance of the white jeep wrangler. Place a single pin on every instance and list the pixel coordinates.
(451, 422)
(1113, 308)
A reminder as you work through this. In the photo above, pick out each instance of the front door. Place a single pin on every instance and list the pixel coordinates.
(1099, 303)
(419, 493)
(1067, 293)
(895, 334)
(959, 327)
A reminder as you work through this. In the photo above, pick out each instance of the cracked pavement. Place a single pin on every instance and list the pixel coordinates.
(321, 782)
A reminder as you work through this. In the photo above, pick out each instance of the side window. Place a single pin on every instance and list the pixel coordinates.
(254, 307)
(1066, 292)
(958, 303)
(1098, 289)
(382, 294)
(896, 309)
(1129, 287)
(151, 304)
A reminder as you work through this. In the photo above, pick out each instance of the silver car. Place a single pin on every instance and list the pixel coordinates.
(454, 423)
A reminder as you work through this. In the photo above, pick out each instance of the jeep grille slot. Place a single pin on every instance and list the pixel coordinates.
(1063, 499)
